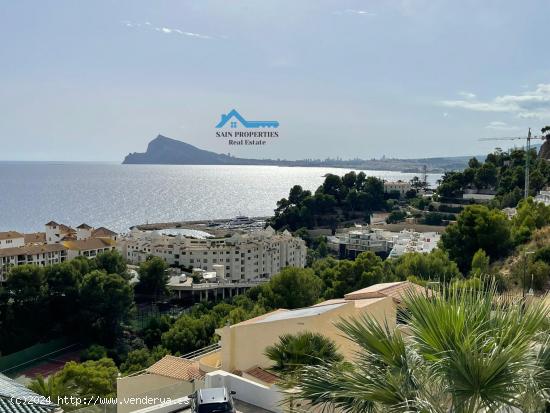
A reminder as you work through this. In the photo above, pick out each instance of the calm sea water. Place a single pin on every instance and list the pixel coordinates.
(119, 196)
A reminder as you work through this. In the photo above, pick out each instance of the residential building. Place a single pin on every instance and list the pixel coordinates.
(56, 244)
(397, 186)
(255, 255)
(55, 232)
(349, 245)
(11, 239)
(411, 241)
(238, 361)
(41, 254)
(88, 248)
(386, 243)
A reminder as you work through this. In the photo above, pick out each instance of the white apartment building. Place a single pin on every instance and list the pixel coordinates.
(363, 238)
(351, 244)
(255, 255)
(399, 186)
(45, 254)
(411, 241)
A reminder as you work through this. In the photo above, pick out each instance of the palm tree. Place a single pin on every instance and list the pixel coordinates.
(294, 351)
(52, 387)
(467, 352)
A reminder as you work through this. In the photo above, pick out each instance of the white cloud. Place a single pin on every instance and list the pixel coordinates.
(529, 104)
(356, 12)
(445, 114)
(467, 95)
(169, 30)
(497, 125)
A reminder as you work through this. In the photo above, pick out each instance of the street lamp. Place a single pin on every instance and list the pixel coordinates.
(525, 253)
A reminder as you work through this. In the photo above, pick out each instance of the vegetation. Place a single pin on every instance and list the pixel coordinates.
(502, 172)
(477, 227)
(467, 353)
(530, 216)
(78, 299)
(152, 278)
(86, 380)
(295, 351)
(337, 199)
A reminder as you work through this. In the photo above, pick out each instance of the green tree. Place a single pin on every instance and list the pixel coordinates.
(343, 276)
(480, 264)
(106, 302)
(136, 360)
(153, 278)
(189, 333)
(111, 262)
(295, 288)
(25, 284)
(477, 227)
(530, 216)
(93, 352)
(63, 283)
(467, 353)
(434, 266)
(88, 380)
(152, 332)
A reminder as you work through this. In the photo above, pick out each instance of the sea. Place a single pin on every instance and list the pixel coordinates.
(120, 196)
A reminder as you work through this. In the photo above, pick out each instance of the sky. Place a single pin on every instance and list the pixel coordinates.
(95, 80)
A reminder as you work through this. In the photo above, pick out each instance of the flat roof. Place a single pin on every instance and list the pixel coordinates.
(302, 312)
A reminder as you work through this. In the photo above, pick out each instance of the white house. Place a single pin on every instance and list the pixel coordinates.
(397, 186)
(11, 239)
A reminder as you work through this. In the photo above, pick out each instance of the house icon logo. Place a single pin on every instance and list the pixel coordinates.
(235, 118)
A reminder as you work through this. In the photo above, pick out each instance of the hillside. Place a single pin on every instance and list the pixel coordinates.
(167, 151)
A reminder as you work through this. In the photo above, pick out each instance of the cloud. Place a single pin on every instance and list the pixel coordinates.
(356, 12)
(497, 125)
(467, 95)
(169, 30)
(533, 104)
(445, 114)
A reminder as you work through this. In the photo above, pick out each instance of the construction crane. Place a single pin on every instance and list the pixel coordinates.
(527, 152)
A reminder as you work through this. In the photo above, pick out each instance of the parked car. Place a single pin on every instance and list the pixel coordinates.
(215, 400)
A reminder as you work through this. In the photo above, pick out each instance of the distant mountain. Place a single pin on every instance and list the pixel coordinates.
(163, 150)
(167, 151)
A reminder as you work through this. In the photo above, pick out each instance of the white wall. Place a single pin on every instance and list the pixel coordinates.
(268, 398)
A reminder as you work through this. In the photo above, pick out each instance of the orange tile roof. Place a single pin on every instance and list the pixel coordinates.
(176, 368)
(88, 244)
(262, 375)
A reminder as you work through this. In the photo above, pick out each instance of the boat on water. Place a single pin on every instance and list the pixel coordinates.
(240, 220)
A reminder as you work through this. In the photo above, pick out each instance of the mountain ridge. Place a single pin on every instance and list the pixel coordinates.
(163, 150)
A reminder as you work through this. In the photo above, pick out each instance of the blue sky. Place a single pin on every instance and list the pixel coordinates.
(94, 80)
